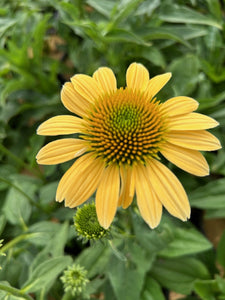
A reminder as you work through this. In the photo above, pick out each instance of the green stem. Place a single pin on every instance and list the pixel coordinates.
(16, 240)
(117, 253)
(15, 292)
(19, 161)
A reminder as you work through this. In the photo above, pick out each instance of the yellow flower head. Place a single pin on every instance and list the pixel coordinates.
(122, 132)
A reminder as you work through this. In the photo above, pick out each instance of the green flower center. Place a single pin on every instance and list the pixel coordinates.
(87, 225)
(124, 127)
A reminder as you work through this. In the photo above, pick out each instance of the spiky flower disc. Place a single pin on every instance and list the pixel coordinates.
(124, 127)
(123, 133)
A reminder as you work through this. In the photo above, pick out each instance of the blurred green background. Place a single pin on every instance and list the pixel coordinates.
(44, 43)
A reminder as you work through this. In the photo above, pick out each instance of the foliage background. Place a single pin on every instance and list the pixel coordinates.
(44, 43)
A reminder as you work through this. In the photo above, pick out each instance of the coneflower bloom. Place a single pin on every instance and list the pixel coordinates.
(120, 135)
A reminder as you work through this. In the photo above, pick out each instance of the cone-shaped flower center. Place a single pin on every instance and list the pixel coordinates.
(125, 127)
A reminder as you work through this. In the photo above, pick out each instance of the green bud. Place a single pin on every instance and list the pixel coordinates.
(74, 280)
(86, 224)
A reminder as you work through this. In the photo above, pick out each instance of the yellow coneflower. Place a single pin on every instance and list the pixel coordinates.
(122, 132)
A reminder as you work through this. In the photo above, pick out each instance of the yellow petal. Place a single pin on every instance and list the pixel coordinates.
(189, 160)
(60, 151)
(169, 190)
(137, 77)
(106, 79)
(127, 188)
(148, 203)
(80, 181)
(196, 140)
(179, 105)
(87, 87)
(61, 125)
(73, 101)
(107, 196)
(85, 184)
(156, 84)
(80, 164)
(192, 121)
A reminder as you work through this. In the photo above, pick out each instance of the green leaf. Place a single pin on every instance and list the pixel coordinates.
(152, 290)
(154, 55)
(38, 38)
(123, 35)
(45, 273)
(215, 8)
(5, 172)
(2, 223)
(46, 230)
(182, 14)
(47, 192)
(161, 33)
(221, 251)
(126, 280)
(179, 274)
(123, 10)
(209, 196)
(185, 74)
(104, 7)
(151, 240)
(206, 289)
(147, 8)
(94, 259)
(139, 256)
(5, 24)
(17, 206)
(186, 241)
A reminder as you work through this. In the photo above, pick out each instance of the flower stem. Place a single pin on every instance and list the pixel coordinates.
(15, 292)
(16, 240)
